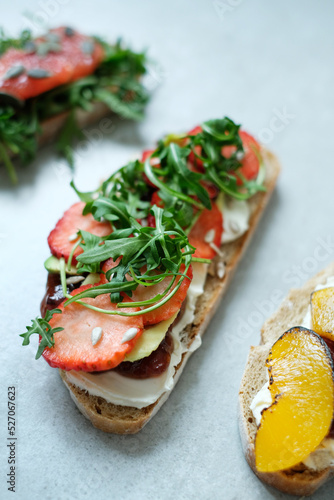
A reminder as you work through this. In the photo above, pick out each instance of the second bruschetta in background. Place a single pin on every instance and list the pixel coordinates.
(58, 83)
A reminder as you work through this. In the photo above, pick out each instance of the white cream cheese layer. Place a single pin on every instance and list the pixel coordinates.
(261, 402)
(323, 456)
(236, 215)
(126, 391)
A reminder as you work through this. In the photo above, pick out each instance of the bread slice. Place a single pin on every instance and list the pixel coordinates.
(299, 480)
(128, 420)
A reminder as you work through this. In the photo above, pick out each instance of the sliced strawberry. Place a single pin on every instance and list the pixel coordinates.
(209, 226)
(148, 292)
(73, 57)
(74, 350)
(61, 239)
(250, 162)
(171, 307)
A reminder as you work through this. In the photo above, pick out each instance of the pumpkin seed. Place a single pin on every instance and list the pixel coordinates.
(30, 47)
(69, 31)
(43, 49)
(87, 47)
(54, 47)
(14, 72)
(38, 73)
(53, 37)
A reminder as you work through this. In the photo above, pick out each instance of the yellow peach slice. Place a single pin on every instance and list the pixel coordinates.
(301, 383)
(322, 312)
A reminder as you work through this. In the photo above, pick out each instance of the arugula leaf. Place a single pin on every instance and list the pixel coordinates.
(41, 327)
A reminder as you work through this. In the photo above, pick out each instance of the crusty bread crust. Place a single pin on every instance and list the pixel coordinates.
(299, 480)
(128, 420)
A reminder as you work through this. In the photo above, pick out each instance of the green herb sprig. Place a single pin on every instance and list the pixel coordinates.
(41, 327)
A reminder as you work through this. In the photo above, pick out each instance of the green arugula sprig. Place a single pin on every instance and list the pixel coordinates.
(115, 83)
(181, 190)
(41, 327)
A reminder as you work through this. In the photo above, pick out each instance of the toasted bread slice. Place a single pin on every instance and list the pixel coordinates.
(128, 420)
(299, 480)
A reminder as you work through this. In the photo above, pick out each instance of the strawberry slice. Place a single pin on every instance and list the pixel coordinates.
(71, 56)
(250, 163)
(74, 350)
(208, 229)
(61, 239)
(148, 292)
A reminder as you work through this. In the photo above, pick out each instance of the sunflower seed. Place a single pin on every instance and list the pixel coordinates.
(69, 31)
(73, 280)
(14, 72)
(87, 47)
(210, 236)
(239, 156)
(129, 335)
(216, 249)
(73, 237)
(96, 334)
(38, 73)
(220, 270)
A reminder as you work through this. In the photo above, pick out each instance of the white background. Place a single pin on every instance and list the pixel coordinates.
(253, 61)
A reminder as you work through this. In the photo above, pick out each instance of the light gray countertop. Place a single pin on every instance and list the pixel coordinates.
(267, 65)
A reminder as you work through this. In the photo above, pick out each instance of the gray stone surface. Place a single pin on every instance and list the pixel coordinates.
(253, 61)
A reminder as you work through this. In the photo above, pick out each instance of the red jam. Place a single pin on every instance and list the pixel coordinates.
(153, 365)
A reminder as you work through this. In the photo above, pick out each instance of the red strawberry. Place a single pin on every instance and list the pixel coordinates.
(148, 292)
(208, 229)
(61, 239)
(65, 65)
(74, 350)
(250, 163)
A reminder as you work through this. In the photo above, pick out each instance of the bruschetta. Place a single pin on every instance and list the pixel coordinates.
(138, 268)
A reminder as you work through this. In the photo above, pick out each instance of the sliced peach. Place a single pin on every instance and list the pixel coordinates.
(322, 312)
(300, 370)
